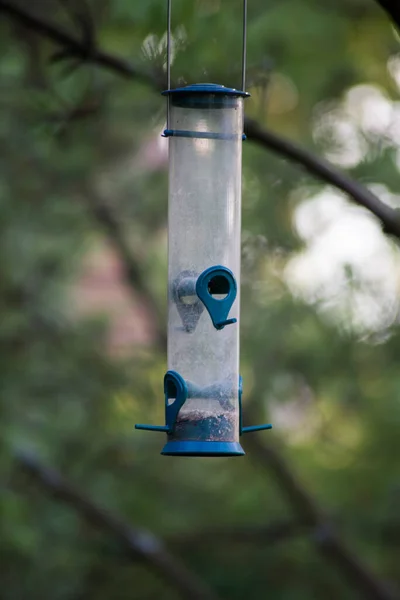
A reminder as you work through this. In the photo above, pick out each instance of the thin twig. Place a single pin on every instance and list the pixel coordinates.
(136, 542)
(134, 275)
(315, 165)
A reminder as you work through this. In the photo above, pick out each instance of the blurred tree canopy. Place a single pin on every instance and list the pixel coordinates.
(312, 511)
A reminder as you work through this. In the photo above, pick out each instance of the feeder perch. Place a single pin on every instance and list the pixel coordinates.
(203, 388)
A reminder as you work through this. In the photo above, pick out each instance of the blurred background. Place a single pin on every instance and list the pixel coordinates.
(88, 507)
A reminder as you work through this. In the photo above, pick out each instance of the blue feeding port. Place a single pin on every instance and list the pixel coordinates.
(216, 287)
(200, 432)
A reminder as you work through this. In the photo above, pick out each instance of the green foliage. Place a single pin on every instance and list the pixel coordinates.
(74, 136)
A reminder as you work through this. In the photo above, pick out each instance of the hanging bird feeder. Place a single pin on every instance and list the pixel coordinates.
(202, 386)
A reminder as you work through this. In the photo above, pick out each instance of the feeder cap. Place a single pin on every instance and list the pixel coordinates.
(206, 88)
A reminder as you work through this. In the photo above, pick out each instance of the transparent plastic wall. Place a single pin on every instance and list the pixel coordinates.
(205, 154)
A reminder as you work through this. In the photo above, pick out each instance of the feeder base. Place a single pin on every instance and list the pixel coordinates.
(192, 448)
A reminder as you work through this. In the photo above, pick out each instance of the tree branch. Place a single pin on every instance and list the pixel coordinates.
(392, 7)
(322, 169)
(323, 534)
(74, 46)
(272, 141)
(254, 534)
(137, 543)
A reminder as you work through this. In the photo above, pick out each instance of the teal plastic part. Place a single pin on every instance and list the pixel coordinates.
(205, 95)
(174, 389)
(205, 88)
(202, 449)
(152, 427)
(177, 390)
(213, 281)
(256, 428)
(204, 135)
(242, 429)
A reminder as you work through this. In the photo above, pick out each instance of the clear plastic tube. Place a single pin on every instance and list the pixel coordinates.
(205, 154)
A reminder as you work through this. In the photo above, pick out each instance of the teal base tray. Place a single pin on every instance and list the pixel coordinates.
(190, 448)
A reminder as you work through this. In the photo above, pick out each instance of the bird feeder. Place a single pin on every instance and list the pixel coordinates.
(202, 386)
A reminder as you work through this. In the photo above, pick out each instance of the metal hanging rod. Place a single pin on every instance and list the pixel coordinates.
(168, 55)
(244, 45)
